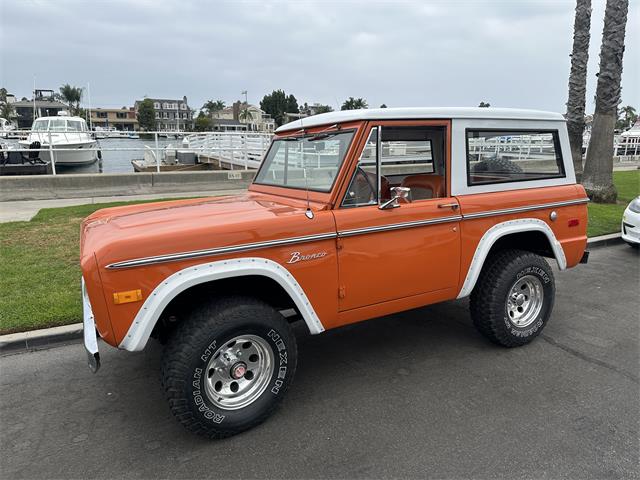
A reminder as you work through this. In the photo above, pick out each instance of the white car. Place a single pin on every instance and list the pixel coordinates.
(631, 223)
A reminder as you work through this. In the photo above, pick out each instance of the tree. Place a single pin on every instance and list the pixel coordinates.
(6, 110)
(323, 109)
(3, 95)
(72, 96)
(277, 103)
(598, 169)
(203, 123)
(212, 107)
(578, 81)
(354, 104)
(627, 117)
(146, 115)
(384, 105)
(245, 114)
(484, 105)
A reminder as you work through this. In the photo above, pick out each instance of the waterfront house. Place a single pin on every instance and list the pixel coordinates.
(119, 118)
(255, 119)
(171, 115)
(45, 105)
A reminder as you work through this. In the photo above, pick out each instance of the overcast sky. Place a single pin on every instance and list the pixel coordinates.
(511, 53)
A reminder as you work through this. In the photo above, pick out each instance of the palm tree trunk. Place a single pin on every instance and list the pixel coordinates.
(598, 169)
(578, 81)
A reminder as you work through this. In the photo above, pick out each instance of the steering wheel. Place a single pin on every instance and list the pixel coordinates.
(372, 189)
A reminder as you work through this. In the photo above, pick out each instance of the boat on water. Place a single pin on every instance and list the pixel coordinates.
(628, 142)
(6, 128)
(71, 141)
(110, 132)
(170, 160)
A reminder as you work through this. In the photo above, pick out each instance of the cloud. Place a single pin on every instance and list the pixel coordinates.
(510, 53)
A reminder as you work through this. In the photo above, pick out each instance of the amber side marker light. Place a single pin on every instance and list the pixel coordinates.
(574, 222)
(127, 297)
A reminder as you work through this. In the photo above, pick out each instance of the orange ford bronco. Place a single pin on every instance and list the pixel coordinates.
(351, 216)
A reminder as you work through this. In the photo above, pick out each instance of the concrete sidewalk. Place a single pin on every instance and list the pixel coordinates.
(25, 210)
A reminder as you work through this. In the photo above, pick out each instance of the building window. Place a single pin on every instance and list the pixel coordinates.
(101, 114)
(156, 105)
(157, 115)
(183, 106)
(121, 115)
(498, 156)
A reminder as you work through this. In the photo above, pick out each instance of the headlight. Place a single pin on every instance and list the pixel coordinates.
(634, 206)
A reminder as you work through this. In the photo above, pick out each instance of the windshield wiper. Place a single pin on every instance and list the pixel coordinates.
(321, 136)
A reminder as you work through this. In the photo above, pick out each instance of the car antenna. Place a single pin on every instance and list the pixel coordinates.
(308, 213)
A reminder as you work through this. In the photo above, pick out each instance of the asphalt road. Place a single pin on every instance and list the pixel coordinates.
(419, 394)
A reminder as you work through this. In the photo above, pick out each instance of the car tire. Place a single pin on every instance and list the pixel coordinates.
(227, 367)
(633, 245)
(513, 298)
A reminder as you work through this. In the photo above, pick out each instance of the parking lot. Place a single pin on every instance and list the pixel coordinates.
(418, 394)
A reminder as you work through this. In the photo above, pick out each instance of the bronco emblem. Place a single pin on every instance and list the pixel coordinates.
(297, 257)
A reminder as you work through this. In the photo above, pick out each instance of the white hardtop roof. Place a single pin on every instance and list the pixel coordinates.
(60, 117)
(415, 113)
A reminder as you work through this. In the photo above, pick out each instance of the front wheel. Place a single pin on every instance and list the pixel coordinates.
(228, 366)
(513, 299)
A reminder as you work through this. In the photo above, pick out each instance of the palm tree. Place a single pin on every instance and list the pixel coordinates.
(6, 111)
(354, 104)
(629, 117)
(71, 95)
(245, 114)
(211, 107)
(598, 168)
(578, 81)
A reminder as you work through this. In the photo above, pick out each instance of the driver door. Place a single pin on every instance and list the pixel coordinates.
(387, 254)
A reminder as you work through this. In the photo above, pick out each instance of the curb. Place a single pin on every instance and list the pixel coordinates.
(40, 339)
(68, 334)
(605, 240)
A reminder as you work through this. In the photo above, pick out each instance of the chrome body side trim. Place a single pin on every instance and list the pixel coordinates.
(528, 208)
(397, 226)
(137, 262)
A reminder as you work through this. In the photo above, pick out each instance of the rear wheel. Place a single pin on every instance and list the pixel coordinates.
(228, 366)
(513, 299)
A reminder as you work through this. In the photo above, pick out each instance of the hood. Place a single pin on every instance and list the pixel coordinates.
(136, 231)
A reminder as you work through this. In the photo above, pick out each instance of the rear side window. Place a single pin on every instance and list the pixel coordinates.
(498, 156)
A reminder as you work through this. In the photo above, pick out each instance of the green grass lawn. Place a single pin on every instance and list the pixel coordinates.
(40, 275)
(606, 218)
(39, 269)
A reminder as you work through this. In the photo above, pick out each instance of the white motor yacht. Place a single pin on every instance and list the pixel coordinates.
(71, 140)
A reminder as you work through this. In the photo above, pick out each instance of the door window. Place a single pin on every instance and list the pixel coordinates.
(410, 157)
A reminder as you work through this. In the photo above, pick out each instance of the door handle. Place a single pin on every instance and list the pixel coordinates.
(455, 206)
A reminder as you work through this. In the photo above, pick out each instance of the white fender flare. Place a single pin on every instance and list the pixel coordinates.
(500, 230)
(140, 330)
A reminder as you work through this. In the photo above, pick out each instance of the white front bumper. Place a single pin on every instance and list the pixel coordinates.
(89, 330)
(631, 226)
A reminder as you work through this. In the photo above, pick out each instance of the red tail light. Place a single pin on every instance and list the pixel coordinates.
(574, 222)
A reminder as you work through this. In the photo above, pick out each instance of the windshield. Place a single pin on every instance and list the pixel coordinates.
(40, 125)
(305, 162)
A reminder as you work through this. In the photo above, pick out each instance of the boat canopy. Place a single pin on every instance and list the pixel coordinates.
(60, 124)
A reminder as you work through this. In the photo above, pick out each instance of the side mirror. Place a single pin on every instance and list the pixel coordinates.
(397, 194)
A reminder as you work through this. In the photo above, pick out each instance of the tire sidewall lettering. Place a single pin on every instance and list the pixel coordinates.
(538, 324)
(198, 379)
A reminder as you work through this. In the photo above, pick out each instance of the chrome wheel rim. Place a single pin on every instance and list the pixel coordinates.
(239, 372)
(525, 300)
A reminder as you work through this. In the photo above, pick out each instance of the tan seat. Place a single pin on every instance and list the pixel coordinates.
(425, 186)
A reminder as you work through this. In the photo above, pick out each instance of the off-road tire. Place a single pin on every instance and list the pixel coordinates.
(193, 346)
(497, 165)
(488, 303)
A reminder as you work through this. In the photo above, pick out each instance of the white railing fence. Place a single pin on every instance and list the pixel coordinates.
(237, 150)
